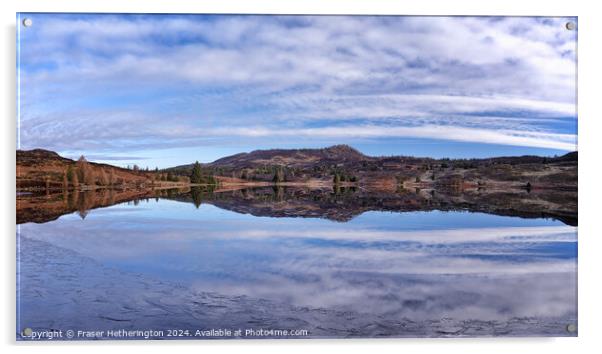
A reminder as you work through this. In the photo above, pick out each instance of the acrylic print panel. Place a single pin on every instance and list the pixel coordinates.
(237, 177)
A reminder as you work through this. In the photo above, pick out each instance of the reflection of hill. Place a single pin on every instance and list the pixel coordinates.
(347, 203)
(341, 204)
(48, 207)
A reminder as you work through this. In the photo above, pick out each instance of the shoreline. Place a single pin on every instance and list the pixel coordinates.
(315, 184)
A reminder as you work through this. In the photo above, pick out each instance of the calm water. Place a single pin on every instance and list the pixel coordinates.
(165, 264)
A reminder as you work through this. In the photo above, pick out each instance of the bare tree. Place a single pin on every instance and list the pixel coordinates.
(103, 177)
(90, 177)
(85, 171)
(65, 181)
(82, 169)
(75, 180)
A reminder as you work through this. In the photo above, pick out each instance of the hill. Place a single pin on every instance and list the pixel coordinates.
(346, 164)
(43, 169)
(338, 164)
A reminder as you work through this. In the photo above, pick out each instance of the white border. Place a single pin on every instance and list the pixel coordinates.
(590, 116)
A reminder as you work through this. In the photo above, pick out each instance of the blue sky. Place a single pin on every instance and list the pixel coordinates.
(164, 90)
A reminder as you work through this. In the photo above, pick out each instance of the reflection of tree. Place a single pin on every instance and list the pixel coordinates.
(278, 193)
(197, 196)
(343, 191)
(84, 201)
(200, 193)
(43, 207)
(341, 204)
(82, 204)
(336, 188)
(71, 200)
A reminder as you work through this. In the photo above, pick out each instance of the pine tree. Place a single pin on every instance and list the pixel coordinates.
(197, 173)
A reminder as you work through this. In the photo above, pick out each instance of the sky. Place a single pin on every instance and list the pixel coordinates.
(166, 90)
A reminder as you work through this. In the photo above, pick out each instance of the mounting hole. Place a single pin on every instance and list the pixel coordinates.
(571, 328)
(27, 22)
(570, 26)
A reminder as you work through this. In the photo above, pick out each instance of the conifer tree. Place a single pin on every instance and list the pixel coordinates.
(197, 173)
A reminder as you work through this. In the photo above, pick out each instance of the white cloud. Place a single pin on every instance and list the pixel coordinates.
(516, 138)
(486, 80)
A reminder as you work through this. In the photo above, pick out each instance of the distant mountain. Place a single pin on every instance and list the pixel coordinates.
(291, 157)
(347, 155)
(298, 158)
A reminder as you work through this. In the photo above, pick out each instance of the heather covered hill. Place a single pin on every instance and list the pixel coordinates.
(285, 157)
(345, 164)
(292, 157)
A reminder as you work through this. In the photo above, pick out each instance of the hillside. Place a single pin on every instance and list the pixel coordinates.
(285, 157)
(291, 158)
(348, 165)
(340, 164)
(43, 169)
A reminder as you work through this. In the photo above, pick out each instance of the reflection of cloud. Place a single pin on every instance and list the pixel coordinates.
(108, 83)
(424, 296)
(498, 234)
(500, 250)
(480, 273)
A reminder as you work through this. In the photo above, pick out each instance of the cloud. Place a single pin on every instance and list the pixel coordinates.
(115, 82)
(508, 137)
(112, 158)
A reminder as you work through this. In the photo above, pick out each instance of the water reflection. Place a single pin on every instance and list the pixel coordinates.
(428, 272)
(339, 203)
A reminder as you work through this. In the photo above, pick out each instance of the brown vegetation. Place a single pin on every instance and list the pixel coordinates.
(46, 170)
